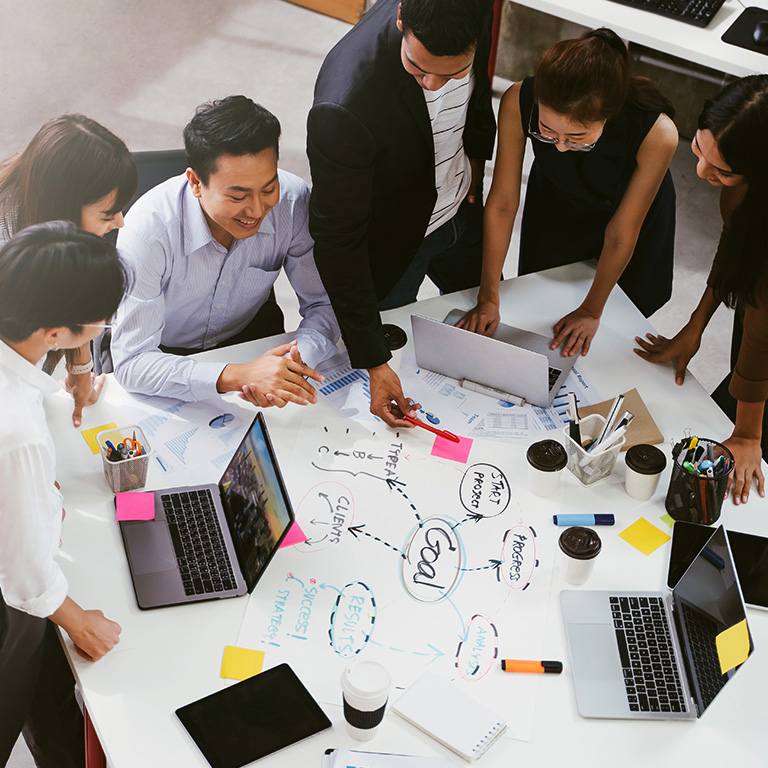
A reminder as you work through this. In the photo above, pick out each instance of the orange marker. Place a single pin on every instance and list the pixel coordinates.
(520, 665)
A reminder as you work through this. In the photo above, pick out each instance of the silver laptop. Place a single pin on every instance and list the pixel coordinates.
(513, 360)
(654, 655)
(212, 541)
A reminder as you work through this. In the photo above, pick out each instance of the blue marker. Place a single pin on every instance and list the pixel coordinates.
(583, 520)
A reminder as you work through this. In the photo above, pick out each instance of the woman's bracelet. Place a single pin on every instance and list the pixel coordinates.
(77, 370)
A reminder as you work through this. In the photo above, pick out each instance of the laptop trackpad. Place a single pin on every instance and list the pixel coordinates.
(594, 653)
(151, 547)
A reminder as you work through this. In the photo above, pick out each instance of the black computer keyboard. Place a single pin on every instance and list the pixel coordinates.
(651, 677)
(702, 631)
(554, 375)
(196, 534)
(696, 12)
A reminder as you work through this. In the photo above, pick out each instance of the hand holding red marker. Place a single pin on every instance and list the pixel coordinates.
(440, 432)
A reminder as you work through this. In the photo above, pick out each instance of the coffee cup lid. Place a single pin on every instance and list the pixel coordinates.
(395, 336)
(580, 543)
(366, 679)
(645, 459)
(547, 456)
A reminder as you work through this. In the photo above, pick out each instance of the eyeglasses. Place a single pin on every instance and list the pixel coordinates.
(109, 324)
(574, 145)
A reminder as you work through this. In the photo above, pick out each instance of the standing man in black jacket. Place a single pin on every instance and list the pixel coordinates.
(398, 136)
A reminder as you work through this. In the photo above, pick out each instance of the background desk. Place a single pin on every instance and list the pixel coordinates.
(172, 656)
(700, 46)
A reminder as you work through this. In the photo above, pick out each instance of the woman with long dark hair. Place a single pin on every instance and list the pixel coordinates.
(58, 286)
(599, 186)
(732, 150)
(74, 169)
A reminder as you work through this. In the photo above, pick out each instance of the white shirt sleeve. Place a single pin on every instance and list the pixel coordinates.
(318, 331)
(30, 520)
(140, 365)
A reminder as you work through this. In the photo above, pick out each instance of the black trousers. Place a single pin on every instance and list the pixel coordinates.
(724, 398)
(37, 693)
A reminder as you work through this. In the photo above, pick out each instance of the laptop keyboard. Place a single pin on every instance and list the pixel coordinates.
(554, 375)
(196, 534)
(651, 676)
(701, 632)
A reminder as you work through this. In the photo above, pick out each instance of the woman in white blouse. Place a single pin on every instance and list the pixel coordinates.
(58, 288)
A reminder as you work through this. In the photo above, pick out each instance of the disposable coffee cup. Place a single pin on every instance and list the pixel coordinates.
(645, 463)
(579, 547)
(396, 339)
(546, 462)
(365, 686)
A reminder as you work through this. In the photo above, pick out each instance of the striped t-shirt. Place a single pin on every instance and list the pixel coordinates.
(448, 114)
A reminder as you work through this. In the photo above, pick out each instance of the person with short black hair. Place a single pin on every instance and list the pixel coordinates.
(74, 169)
(397, 138)
(206, 248)
(58, 288)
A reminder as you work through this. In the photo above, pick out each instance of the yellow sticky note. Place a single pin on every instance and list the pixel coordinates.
(90, 435)
(241, 663)
(644, 536)
(733, 646)
(668, 520)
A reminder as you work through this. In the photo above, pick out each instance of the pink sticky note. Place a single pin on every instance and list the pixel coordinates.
(447, 449)
(135, 506)
(294, 536)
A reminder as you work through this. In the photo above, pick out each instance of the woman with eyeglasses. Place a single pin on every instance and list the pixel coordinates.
(599, 186)
(731, 147)
(58, 284)
(74, 169)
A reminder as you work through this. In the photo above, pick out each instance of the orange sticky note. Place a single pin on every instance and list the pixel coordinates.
(133, 505)
(294, 536)
(241, 663)
(447, 449)
(89, 435)
(644, 536)
(733, 646)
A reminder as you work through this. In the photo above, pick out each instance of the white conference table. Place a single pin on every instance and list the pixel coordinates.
(169, 657)
(700, 46)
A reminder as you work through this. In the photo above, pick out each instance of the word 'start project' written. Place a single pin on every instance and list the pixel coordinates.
(418, 562)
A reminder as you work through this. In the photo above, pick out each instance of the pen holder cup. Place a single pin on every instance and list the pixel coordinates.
(586, 467)
(126, 474)
(695, 498)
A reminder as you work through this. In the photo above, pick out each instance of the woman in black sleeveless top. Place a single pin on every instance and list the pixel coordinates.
(599, 186)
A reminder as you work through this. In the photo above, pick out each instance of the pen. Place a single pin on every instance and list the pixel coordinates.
(583, 519)
(608, 421)
(441, 432)
(499, 394)
(573, 425)
(522, 665)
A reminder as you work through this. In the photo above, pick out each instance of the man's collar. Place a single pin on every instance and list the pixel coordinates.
(30, 374)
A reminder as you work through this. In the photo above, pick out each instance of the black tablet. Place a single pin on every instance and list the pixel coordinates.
(750, 554)
(254, 718)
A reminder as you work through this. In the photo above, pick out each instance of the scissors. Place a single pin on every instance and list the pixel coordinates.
(134, 445)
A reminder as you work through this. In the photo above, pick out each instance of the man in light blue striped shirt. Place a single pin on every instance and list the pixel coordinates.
(205, 249)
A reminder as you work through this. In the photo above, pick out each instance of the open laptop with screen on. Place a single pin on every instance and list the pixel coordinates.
(514, 361)
(212, 541)
(658, 655)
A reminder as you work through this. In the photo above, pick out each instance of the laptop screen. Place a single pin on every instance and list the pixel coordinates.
(255, 501)
(707, 602)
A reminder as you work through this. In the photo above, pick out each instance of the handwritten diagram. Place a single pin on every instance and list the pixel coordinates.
(415, 561)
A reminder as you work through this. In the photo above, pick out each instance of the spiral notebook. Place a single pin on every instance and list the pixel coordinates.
(450, 716)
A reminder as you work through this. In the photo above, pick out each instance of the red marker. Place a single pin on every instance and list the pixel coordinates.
(441, 432)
